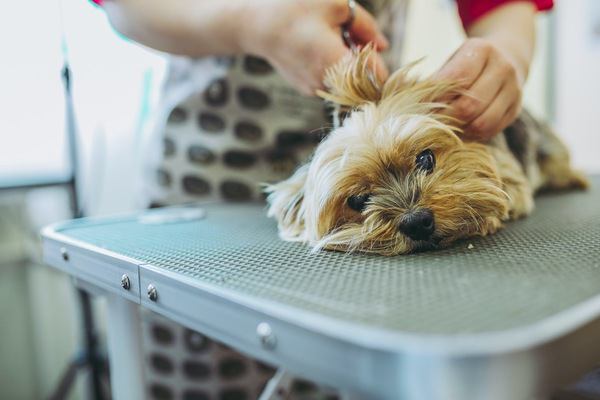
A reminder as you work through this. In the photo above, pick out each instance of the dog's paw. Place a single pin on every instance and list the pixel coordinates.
(521, 202)
(521, 206)
(490, 226)
(577, 180)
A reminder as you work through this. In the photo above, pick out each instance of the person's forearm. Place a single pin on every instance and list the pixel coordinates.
(186, 27)
(511, 28)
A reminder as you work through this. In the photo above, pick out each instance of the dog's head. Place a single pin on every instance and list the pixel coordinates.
(395, 177)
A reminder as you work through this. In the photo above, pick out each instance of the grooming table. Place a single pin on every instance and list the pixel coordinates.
(506, 317)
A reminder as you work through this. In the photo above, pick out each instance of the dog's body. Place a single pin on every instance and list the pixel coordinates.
(396, 178)
(531, 158)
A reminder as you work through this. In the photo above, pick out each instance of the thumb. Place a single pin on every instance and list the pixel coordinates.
(334, 51)
(364, 29)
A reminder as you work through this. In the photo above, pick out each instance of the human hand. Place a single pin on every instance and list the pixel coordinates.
(301, 39)
(493, 81)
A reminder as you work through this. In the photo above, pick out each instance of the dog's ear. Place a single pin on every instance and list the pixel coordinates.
(405, 93)
(352, 81)
(286, 204)
(406, 83)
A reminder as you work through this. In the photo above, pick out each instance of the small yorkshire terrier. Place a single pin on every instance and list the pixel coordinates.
(396, 177)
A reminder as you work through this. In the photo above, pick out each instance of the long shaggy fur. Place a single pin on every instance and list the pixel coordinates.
(471, 191)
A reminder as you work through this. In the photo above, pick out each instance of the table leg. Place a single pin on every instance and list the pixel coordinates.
(124, 349)
(278, 387)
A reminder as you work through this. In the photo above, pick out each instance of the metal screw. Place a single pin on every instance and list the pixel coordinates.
(266, 335)
(64, 254)
(152, 293)
(125, 282)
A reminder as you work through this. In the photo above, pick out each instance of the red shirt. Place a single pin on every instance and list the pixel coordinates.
(471, 10)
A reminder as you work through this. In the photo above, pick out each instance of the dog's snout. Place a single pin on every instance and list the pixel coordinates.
(418, 225)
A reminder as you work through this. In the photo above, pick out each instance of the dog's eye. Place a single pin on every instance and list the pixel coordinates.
(425, 161)
(358, 202)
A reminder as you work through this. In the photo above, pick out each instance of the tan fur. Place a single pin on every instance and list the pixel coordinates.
(472, 189)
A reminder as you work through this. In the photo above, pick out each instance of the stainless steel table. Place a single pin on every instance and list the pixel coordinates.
(506, 317)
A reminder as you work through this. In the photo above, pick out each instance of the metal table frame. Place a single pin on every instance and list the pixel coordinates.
(523, 363)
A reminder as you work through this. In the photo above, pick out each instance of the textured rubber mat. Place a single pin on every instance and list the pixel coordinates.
(532, 269)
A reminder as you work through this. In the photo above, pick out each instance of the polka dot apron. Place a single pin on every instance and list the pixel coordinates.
(227, 125)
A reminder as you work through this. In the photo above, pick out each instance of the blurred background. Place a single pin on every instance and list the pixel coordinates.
(115, 85)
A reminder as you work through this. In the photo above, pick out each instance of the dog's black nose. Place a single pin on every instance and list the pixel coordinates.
(418, 224)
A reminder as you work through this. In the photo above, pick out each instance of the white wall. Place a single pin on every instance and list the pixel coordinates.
(110, 77)
(578, 79)
(115, 83)
(31, 106)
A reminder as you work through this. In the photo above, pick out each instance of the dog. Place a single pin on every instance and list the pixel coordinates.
(396, 177)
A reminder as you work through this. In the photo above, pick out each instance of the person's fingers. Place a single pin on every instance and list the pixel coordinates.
(364, 29)
(479, 95)
(490, 121)
(375, 61)
(511, 114)
(330, 51)
(301, 80)
(466, 64)
(378, 65)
